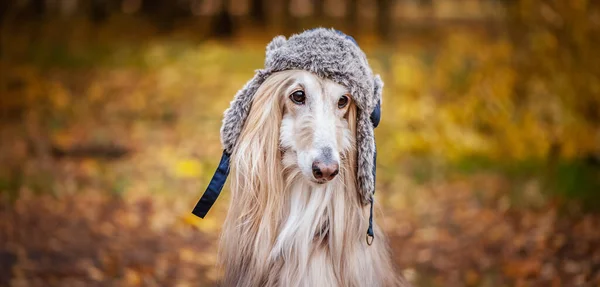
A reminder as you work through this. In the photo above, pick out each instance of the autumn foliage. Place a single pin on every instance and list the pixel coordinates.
(489, 148)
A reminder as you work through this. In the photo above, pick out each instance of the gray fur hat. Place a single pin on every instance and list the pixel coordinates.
(329, 54)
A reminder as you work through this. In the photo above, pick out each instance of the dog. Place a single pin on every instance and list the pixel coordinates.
(297, 216)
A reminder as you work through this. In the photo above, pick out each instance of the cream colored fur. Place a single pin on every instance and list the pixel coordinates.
(283, 229)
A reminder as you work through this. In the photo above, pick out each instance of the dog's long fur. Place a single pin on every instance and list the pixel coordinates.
(282, 230)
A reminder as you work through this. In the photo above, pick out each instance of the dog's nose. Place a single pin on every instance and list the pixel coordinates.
(325, 171)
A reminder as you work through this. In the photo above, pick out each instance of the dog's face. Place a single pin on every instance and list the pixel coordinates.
(315, 132)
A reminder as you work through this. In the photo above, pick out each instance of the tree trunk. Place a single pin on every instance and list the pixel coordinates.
(257, 12)
(319, 8)
(289, 21)
(384, 18)
(427, 7)
(164, 13)
(4, 7)
(222, 23)
(352, 16)
(98, 11)
(38, 8)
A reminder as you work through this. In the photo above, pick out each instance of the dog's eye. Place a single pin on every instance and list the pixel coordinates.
(298, 97)
(343, 101)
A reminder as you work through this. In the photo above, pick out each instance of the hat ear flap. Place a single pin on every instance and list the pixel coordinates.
(367, 153)
(365, 140)
(235, 116)
(378, 88)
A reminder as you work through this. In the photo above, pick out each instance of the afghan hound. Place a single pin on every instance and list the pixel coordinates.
(296, 217)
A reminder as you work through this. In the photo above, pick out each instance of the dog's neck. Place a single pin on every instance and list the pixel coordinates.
(311, 213)
(321, 227)
(311, 235)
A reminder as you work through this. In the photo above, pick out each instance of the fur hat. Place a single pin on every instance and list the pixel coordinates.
(329, 54)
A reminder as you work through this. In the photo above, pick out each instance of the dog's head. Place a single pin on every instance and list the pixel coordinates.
(316, 127)
(301, 125)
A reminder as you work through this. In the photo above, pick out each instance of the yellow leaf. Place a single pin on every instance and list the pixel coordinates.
(132, 278)
(207, 224)
(192, 220)
(59, 96)
(188, 168)
(63, 138)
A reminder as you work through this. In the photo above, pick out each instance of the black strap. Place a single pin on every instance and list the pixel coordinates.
(375, 118)
(214, 187)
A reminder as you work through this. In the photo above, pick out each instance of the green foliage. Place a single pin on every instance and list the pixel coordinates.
(578, 180)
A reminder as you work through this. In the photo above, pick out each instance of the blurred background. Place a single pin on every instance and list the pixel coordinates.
(489, 166)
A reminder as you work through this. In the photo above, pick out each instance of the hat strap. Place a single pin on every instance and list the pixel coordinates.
(214, 187)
